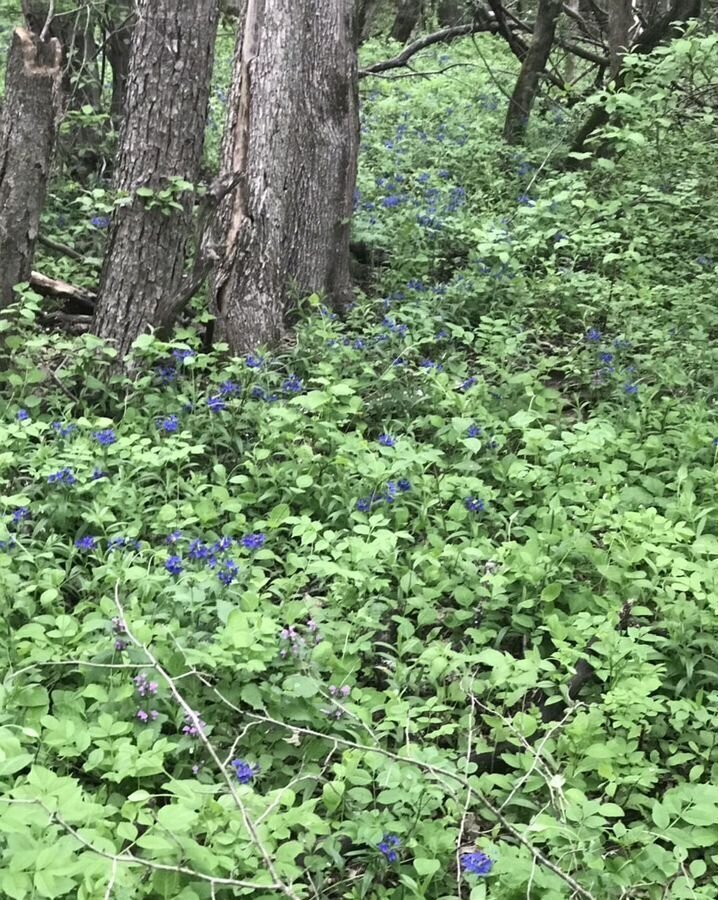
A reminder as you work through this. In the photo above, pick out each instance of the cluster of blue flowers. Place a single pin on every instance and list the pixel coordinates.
(244, 771)
(388, 847)
(393, 489)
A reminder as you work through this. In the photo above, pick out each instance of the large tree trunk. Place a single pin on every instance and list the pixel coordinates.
(293, 132)
(620, 22)
(407, 18)
(31, 113)
(526, 89)
(161, 141)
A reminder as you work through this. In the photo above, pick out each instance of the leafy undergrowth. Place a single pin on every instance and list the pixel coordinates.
(425, 607)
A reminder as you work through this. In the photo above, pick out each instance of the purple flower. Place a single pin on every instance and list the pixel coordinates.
(386, 440)
(244, 771)
(474, 505)
(253, 541)
(22, 415)
(182, 353)
(189, 728)
(86, 544)
(145, 717)
(228, 388)
(144, 686)
(476, 863)
(388, 847)
(198, 550)
(174, 565)
(216, 404)
(105, 438)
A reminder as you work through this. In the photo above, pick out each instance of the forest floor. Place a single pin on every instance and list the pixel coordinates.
(452, 554)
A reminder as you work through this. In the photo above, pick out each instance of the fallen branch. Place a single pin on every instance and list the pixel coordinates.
(438, 37)
(61, 248)
(54, 287)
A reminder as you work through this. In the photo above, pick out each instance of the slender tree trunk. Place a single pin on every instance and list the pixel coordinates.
(31, 113)
(293, 132)
(407, 18)
(526, 89)
(620, 22)
(161, 141)
(119, 26)
(364, 19)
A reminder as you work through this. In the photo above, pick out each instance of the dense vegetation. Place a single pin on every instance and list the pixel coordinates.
(428, 598)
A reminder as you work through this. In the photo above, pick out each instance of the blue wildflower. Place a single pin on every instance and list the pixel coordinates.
(473, 504)
(630, 389)
(254, 362)
(97, 474)
(593, 335)
(222, 545)
(181, 354)
(197, 550)
(216, 404)
(105, 438)
(704, 260)
(100, 221)
(388, 847)
(174, 565)
(244, 771)
(170, 424)
(63, 430)
(473, 431)
(116, 543)
(20, 514)
(166, 374)
(253, 542)
(86, 543)
(404, 485)
(391, 491)
(606, 357)
(363, 504)
(22, 415)
(525, 200)
(292, 385)
(386, 440)
(229, 572)
(62, 476)
(391, 202)
(469, 383)
(476, 863)
(173, 537)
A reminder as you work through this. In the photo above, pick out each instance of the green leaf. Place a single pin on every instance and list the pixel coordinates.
(301, 686)
(426, 866)
(660, 815)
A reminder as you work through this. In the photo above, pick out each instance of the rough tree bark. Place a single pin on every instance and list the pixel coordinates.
(161, 140)
(620, 22)
(407, 18)
(293, 132)
(31, 113)
(526, 88)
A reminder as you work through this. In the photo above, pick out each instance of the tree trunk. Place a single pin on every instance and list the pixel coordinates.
(620, 21)
(364, 19)
(293, 131)
(119, 26)
(452, 12)
(526, 89)
(407, 18)
(161, 142)
(31, 113)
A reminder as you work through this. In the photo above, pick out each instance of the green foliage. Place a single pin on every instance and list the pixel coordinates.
(540, 340)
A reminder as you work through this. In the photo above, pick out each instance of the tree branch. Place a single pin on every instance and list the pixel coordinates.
(438, 37)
